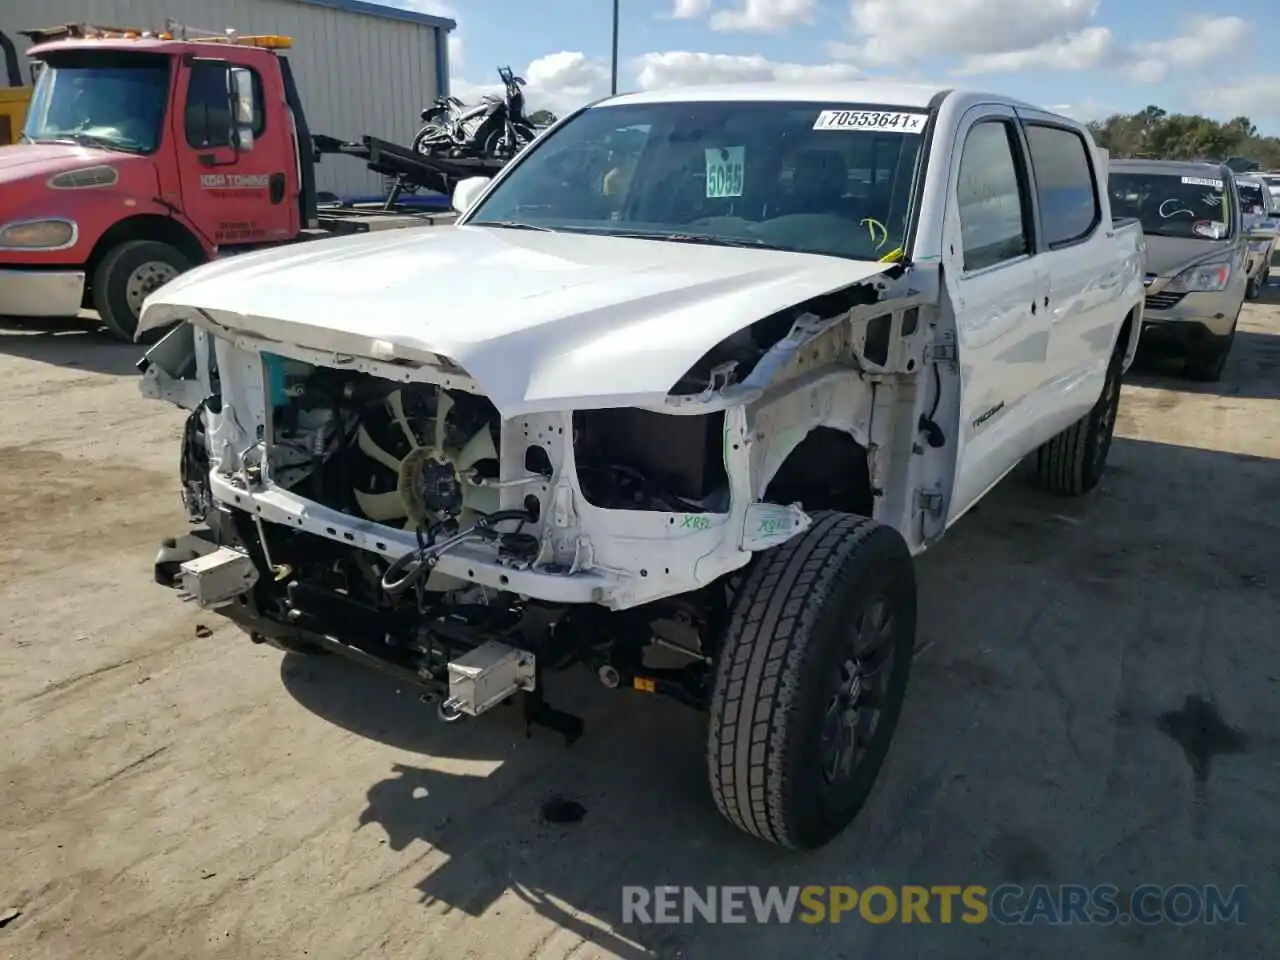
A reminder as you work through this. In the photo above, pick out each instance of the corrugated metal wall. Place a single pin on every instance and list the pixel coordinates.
(357, 74)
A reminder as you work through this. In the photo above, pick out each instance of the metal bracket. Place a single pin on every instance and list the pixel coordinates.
(943, 351)
(930, 502)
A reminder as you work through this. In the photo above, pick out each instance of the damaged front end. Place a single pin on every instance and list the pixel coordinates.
(378, 504)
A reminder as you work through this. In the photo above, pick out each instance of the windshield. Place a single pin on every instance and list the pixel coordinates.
(100, 98)
(1251, 199)
(1171, 205)
(806, 177)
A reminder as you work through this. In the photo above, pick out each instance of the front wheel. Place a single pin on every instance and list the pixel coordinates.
(810, 680)
(125, 278)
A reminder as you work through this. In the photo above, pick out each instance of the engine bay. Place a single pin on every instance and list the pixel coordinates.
(416, 455)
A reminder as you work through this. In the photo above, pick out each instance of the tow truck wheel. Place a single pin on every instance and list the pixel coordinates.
(810, 680)
(124, 279)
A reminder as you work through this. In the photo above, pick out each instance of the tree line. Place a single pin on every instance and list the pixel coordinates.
(1161, 135)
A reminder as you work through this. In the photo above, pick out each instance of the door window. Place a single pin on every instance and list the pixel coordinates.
(208, 110)
(1069, 209)
(991, 197)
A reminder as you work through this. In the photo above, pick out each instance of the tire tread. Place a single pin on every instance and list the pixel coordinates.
(759, 679)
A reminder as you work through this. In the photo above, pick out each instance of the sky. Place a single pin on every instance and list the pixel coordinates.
(1085, 58)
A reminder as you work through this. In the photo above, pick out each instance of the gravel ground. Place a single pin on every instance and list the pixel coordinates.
(1096, 702)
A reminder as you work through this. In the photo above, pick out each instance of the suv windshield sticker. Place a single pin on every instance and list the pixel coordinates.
(725, 171)
(1203, 182)
(873, 120)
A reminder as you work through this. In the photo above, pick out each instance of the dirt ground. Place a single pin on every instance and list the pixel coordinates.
(1098, 701)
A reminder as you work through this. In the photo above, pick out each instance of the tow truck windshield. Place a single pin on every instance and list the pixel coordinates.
(830, 179)
(101, 99)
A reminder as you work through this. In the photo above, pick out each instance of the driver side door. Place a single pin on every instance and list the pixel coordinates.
(234, 196)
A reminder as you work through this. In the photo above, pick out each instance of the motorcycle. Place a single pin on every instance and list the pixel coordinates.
(495, 128)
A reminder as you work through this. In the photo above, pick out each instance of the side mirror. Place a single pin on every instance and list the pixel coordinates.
(467, 192)
(243, 107)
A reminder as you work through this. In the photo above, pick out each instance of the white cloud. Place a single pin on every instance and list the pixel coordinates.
(678, 68)
(763, 16)
(690, 9)
(1085, 110)
(1202, 40)
(889, 32)
(558, 82)
(1257, 98)
(436, 8)
(1084, 50)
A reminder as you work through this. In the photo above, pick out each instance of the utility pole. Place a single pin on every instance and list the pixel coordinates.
(614, 85)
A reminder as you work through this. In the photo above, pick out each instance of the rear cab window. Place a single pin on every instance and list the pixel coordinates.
(1066, 185)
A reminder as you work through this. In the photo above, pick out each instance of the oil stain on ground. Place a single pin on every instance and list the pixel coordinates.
(1199, 729)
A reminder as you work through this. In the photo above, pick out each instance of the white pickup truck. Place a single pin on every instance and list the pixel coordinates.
(679, 398)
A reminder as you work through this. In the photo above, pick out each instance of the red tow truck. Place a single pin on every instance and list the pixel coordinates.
(146, 153)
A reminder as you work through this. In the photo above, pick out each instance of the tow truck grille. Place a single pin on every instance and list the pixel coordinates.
(1163, 301)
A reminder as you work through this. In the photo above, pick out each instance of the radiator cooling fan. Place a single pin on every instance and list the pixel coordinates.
(419, 448)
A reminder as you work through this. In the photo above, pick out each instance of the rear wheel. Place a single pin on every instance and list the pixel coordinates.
(1071, 464)
(810, 680)
(431, 139)
(1253, 288)
(126, 276)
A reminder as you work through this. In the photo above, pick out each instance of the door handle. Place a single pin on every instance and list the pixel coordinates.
(1033, 306)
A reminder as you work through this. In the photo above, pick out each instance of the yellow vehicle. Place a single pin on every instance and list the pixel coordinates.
(14, 94)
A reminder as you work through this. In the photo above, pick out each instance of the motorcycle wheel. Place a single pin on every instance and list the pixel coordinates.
(430, 139)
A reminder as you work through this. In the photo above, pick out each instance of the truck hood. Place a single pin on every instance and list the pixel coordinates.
(25, 161)
(539, 320)
(1168, 256)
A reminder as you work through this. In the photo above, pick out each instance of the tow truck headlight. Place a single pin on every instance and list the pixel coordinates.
(37, 235)
(1203, 278)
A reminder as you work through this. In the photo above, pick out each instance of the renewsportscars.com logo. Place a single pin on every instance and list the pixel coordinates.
(1007, 905)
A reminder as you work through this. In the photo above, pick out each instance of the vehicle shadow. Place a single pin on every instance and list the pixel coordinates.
(1253, 369)
(80, 343)
(1075, 655)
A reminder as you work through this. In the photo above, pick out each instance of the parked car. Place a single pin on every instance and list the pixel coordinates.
(1261, 216)
(1197, 255)
(706, 417)
(1272, 179)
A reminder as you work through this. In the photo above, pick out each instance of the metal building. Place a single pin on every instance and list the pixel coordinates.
(362, 68)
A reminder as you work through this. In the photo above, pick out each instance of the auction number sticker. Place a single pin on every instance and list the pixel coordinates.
(726, 169)
(1203, 182)
(874, 120)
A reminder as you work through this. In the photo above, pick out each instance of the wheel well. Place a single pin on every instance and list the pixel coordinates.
(1127, 334)
(143, 227)
(827, 470)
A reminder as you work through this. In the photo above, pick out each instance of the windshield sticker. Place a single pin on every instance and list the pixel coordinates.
(1209, 229)
(873, 120)
(1202, 182)
(1211, 199)
(726, 167)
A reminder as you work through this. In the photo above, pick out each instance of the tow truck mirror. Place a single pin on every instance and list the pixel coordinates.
(241, 92)
(467, 192)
